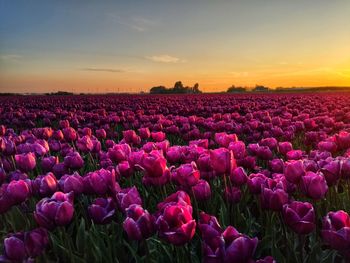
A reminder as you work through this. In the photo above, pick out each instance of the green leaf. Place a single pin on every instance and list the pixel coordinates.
(81, 236)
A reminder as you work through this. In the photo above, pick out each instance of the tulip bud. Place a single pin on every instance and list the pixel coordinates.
(202, 191)
(158, 136)
(26, 161)
(255, 182)
(300, 217)
(139, 224)
(69, 183)
(73, 161)
(294, 170)
(314, 185)
(273, 196)
(99, 182)
(47, 163)
(85, 144)
(222, 161)
(102, 210)
(144, 133)
(284, 147)
(44, 185)
(336, 229)
(55, 211)
(127, 197)
(176, 225)
(233, 194)
(238, 177)
(186, 175)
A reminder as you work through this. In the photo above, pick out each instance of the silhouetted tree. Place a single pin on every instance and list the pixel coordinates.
(178, 86)
(234, 89)
(196, 88)
(158, 90)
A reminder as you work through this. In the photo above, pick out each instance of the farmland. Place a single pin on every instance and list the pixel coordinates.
(175, 178)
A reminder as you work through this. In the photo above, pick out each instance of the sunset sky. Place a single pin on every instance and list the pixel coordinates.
(107, 46)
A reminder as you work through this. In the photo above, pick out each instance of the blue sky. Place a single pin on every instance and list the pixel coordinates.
(100, 46)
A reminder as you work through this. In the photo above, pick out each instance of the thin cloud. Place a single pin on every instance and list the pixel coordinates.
(139, 24)
(165, 59)
(238, 74)
(104, 70)
(10, 57)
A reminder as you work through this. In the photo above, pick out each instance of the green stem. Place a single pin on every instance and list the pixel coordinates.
(301, 247)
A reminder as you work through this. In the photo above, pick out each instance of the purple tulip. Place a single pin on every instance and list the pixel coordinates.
(239, 248)
(58, 135)
(99, 182)
(85, 144)
(69, 134)
(101, 134)
(331, 172)
(174, 154)
(69, 183)
(202, 191)
(186, 175)
(294, 155)
(139, 224)
(343, 140)
(213, 244)
(233, 194)
(47, 163)
(238, 148)
(269, 142)
(176, 225)
(328, 146)
(336, 230)
(155, 169)
(102, 210)
(273, 195)
(45, 185)
(64, 124)
(26, 161)
(300, 217)
(179, 197)
(127, 197)
(16, 191)
(36, 241)
(119, 152)
(314, 185)
(276, 165)
(124, 169)
(264, 153)
(158, 136)
(284, 147)
(14, 247)
(267, 259)
(131, 137)
(73, 161)
(59, 169)
(144, 133)
(344, 171)
(55, 211)
(255, 181)
(238, 176)
(294, 170)
(2, 175)
(222, 161)
(224, 139)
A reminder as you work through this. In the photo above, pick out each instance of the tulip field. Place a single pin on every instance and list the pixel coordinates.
(175, 178)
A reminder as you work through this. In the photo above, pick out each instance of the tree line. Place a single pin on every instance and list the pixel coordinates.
(178, 88)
